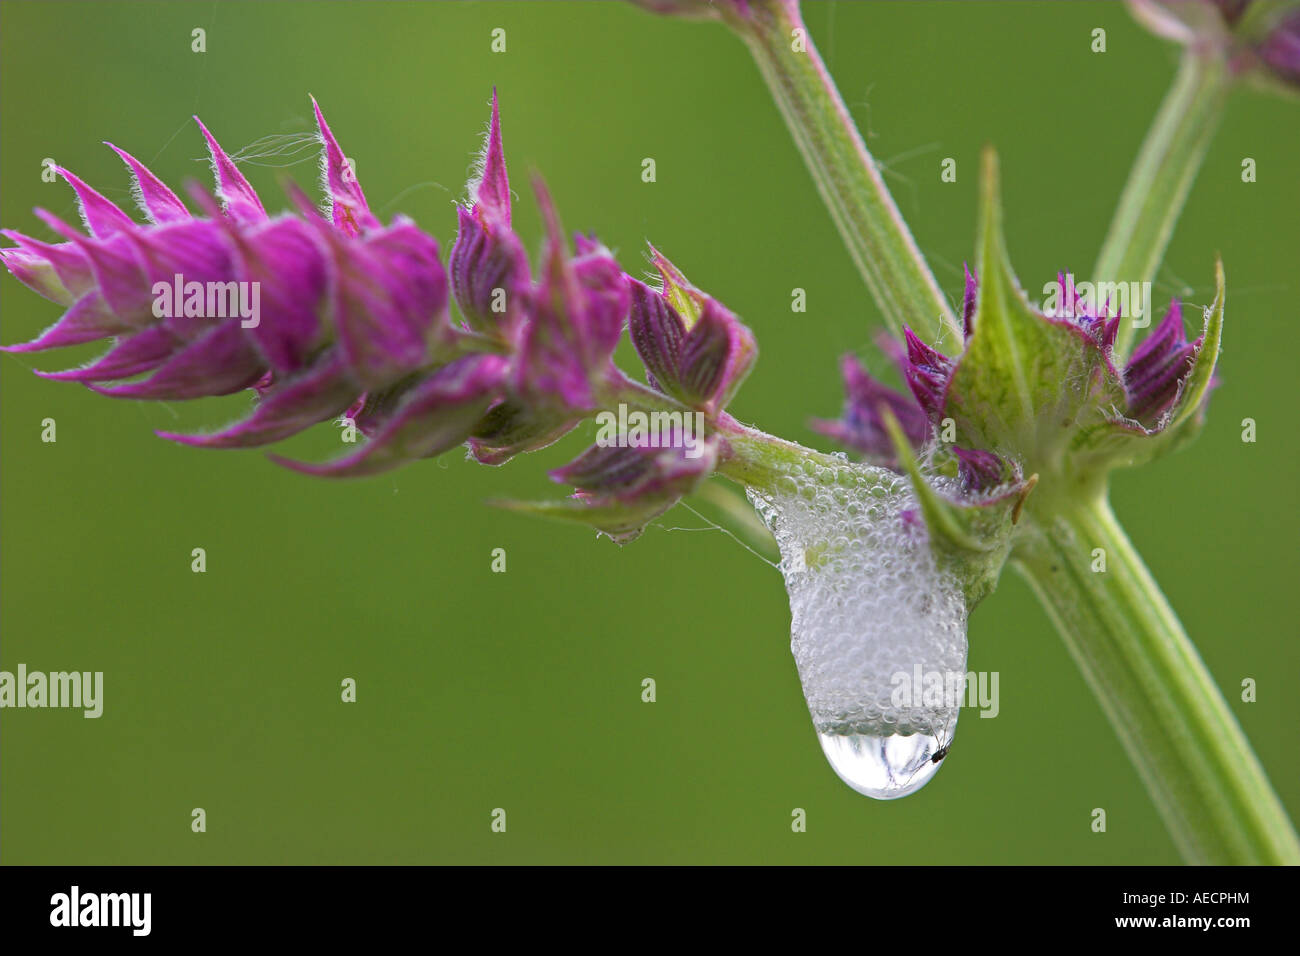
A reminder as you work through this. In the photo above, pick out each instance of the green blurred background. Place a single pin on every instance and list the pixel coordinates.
(522, 690)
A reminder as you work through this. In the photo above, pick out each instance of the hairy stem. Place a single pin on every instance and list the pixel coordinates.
(1171, 718)
(845, 173)
(1162, 176)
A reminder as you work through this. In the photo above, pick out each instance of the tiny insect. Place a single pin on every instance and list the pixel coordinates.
(944, 747)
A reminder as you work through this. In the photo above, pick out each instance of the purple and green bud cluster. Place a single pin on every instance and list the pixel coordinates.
(354, 319)
(1142, 399)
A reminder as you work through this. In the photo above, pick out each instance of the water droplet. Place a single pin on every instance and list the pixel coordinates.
(883, 767)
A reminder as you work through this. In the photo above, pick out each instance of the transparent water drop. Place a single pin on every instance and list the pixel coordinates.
(874, 621)
(883, 767)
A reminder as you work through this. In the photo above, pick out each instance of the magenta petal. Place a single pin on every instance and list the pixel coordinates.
(237, 196)
(1155, 371)
(927, 372)
(287, 262)
(639, 473)
(131, 356)
(412, 267)
(607, 299)
(120, 277)
(197, 251)
(89, 319)
(657, 333)
(37, 273)
(483, 260)
(863, 425)
(287, 408)
(348, 208)
(69, 263)
(152, 196)
(552, 369)
(435, 415)
(101, 217)
(386, 293)
(577, 313)
(492, 193)
(218, 363)
(716, 356)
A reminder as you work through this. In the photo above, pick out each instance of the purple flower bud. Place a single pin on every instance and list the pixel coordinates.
(978, 470)
(624, 487)
(862, 427)
(513, 427)
(488, 266)
(422, 420)
(701, 363)
(1154, 374)
(577, 312)
(928, 372)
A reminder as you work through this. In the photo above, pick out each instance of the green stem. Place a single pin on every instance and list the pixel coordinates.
(1153, 686)
(845, 173)
(1162, 176)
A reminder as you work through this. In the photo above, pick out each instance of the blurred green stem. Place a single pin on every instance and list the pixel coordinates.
(1153, 686)
(1162, 176)
(845, 173)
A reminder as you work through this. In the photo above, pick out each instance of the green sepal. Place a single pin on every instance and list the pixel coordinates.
(620, 522)
(971, 538)
(1025, 381)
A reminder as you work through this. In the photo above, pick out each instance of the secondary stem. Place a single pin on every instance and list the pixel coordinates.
(1153, 686)
(846, 175)
(1162, 176)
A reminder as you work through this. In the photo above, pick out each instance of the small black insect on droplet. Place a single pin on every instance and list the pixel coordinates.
(939, 754)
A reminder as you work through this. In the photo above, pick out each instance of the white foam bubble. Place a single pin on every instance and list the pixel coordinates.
(867, 599)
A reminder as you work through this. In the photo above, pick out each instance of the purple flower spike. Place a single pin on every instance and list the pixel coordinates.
(702, 364)
(862, 427)
(309, 313)
(488, 266)
(1155, 372)
(928, 372)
